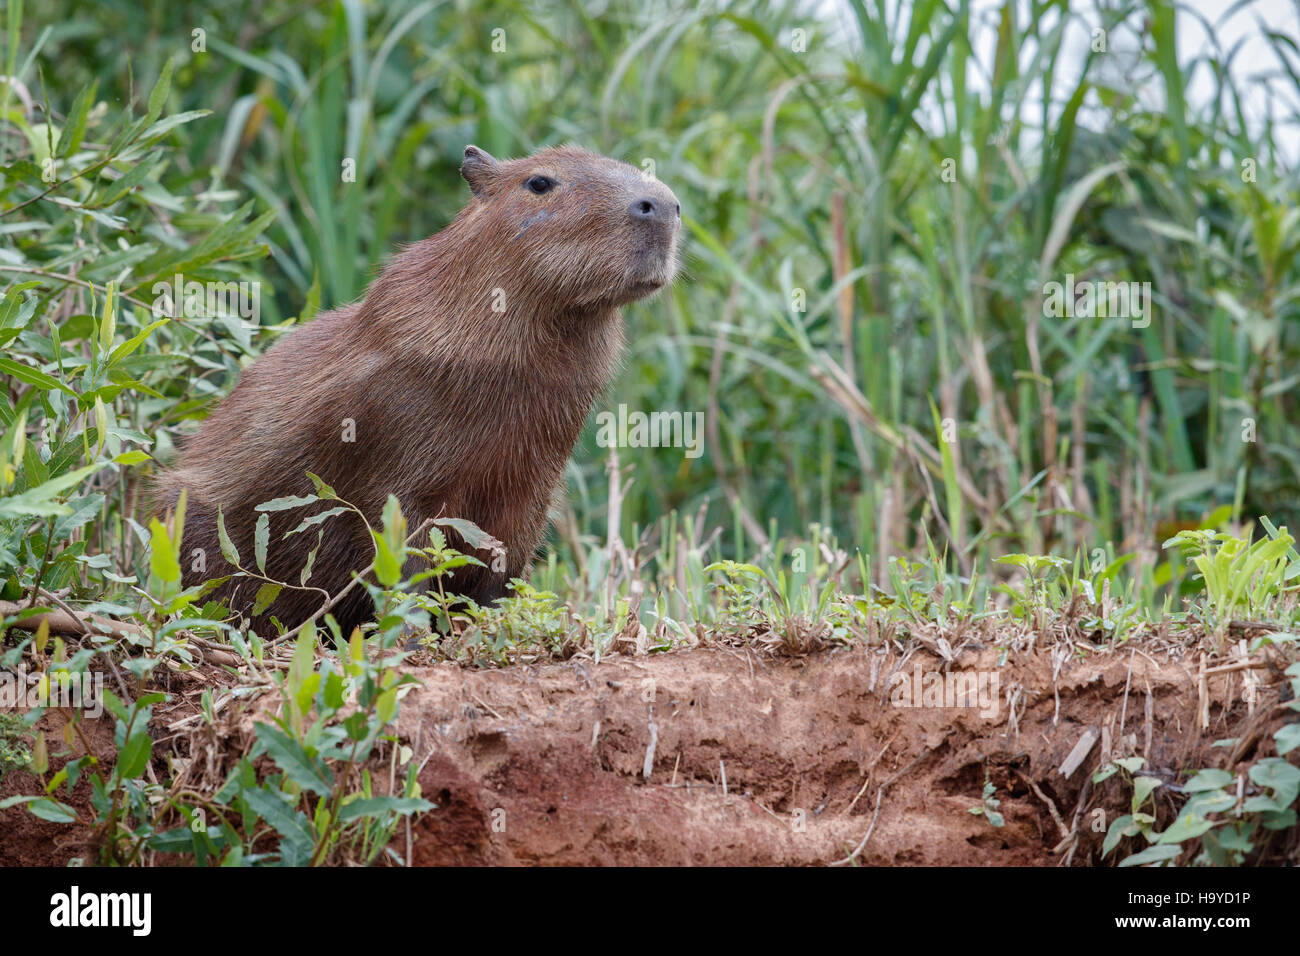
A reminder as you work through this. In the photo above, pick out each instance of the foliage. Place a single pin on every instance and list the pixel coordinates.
(1242, 579)
(916, 211)
(988, 808)
(14, 752)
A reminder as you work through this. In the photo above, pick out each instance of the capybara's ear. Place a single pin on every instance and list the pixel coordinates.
(477, 168)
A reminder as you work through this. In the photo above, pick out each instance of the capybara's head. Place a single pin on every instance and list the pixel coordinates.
(575, 229)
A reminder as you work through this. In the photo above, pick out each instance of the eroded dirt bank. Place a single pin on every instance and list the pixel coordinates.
(756, 758)
(546, 764)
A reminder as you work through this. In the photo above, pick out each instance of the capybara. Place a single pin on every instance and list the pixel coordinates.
(459, 383)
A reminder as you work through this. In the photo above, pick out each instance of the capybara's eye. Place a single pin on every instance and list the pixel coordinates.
(539, 184)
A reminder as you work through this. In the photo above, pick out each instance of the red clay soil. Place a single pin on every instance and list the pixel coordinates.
(772, 760)
(545, 764)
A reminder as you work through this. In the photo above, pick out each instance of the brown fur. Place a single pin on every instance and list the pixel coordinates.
(460, 411)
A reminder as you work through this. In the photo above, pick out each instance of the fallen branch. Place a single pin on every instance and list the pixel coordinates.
(69, 624)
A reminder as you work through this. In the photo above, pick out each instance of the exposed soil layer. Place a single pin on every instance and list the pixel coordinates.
(546, 764)
(756, 759)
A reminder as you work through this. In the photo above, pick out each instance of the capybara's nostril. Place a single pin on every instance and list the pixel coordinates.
(677, 208)
(644, 209)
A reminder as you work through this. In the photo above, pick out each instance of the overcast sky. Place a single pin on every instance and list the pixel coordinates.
(1254, 63)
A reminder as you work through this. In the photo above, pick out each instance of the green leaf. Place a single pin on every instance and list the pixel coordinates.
(386, 705)
(311, 559)
(133, 343)
(317, 519)
(1261, 804)
(290, 757)
(304, 657)
(1284, 820)
(474, 536)
(40, 501)
(307, 692)
(177, 840)
(355, 725)
(312, 304)
(228, 549)
(1208, 779)
(388, 570)
(292, 825)
(163, 559)
(158, 97)
(134, 756)
(333, 691)
(1069, 208)
(1143, 787)
(1287, 738)
(1210, 801)
(394, 527)
(114, 191)
(283, 504)
(261, 534)
(168, 123)
(113, 704)
(266, 594)
(33, 376)
(1280, 777)
(1188, 826)
(1120, 827)
(322, 489)
(378, 806)
(108, 320)
(75, 128)
(48, 808)
(1158, 853)
(1105, 773)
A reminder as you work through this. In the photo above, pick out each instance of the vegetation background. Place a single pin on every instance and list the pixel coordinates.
(912, 187)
